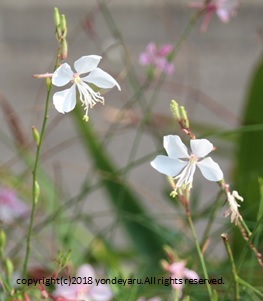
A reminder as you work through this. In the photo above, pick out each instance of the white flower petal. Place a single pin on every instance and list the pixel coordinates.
(87, 63)
(201, 147)
(237, 196)
(65, 101)
(168, 166)
(185, 178)
(233, 207)
(175, 147)
(210, 169)
(62, 75)
(101, 79)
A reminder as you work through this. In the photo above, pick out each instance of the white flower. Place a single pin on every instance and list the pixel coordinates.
(65, 101)
(181, 166)
(233, 206)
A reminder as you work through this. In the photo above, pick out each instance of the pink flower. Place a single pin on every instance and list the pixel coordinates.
(225, 9)
(151, 299)
(84, 291)
(179, 271)
(11, 207)
(157, 58)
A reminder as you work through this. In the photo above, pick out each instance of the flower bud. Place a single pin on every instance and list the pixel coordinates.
(63, 26)
(184, 117)
(2, 241)
(56, 17)
(9, 267)
(175, 110)
(164, 264)
(169, 252)
(35, 135)
(64, 49)
(37, 192)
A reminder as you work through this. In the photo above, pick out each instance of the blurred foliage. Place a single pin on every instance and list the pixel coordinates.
(141, 228)
(76, 232)
(249, 162)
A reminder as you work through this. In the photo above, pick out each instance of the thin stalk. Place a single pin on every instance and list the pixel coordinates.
(252, 288)
(34, 180)
(234, 271)
(200, 254)
(176, 295)
(34, 192)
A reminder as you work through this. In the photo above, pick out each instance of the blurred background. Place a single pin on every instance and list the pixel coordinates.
(211, 78)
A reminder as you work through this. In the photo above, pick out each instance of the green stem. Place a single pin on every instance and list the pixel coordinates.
(245, 227)
(176, 295)
(245, 284)
(34, 193)
(5, 285)
(234, 271)
(34, 173)
(200, 254)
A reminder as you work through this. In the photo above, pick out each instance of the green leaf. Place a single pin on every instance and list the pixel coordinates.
(249, 162)
(260, 211)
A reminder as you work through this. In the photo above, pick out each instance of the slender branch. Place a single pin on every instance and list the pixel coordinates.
(34, 173)
(252, 288)
(200, 254)
(234, 271)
